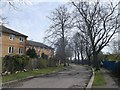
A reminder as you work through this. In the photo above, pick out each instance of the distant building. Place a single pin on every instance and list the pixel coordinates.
(11, 42)
(40, 48)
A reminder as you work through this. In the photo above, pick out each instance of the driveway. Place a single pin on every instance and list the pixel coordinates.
(75, 77)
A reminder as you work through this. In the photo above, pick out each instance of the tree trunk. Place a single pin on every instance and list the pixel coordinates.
(68, 62)
(96, 61)
(78, 57)
(81, 51)
(75, 56)
(82, 57)
(63, 45)
(89, 61)
(88, 56)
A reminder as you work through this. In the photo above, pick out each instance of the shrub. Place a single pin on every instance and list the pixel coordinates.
(15, 63)
(44, 56)
(31, 53)
(23, 61)
(52, 62)
(8, 62)
(42, 63)
(33, 64)
(39, 63)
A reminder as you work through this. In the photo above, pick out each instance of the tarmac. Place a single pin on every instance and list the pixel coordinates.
(77, 77)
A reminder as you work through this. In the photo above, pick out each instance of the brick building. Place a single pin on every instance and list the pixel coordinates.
(12, 42)
(40, 48)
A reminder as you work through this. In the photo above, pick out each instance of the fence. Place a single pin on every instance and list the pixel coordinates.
(113, 66)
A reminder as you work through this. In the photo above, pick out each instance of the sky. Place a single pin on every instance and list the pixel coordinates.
(30, 19)
(30, 16)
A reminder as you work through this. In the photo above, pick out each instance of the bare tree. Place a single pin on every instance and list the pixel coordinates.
(101, 23)
(59, 28)
(11, 4)
(76, 47)
(3, 20)
(68, 51)
(58, 46)
(114, 47)
(88, 52)
(73, 46)
(79, 46)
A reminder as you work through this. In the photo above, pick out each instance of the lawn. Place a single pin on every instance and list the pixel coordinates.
(99, 79)
(22, 75)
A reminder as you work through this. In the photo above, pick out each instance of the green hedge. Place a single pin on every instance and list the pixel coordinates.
(15, 63)
(43, 63)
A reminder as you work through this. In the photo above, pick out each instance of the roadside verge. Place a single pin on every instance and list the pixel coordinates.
(91, 80)
(34, 76)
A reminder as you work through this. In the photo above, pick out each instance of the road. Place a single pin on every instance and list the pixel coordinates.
(75, 77)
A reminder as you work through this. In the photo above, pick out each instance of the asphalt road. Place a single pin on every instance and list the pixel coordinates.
(75, 77)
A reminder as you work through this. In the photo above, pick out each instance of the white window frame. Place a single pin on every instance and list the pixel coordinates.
(12, 49)
(0, 34)
(20, 51)
(13, 36)
(21, 39)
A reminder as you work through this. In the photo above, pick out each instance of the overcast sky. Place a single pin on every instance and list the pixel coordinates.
(30, 18)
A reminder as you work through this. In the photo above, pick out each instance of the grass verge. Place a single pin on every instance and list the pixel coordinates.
(99, 79)
(22, 75)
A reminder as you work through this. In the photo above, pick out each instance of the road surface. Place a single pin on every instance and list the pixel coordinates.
(75, 77)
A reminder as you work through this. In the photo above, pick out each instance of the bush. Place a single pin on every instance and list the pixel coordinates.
(33, 64)
(31, 53)
(52, 62)
(39, 63)
(44, 56)
(42, 63)
(14, 63)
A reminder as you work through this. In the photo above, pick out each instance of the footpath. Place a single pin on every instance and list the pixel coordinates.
(110, 80)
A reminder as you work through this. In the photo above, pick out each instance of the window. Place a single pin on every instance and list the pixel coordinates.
(21, 39)
(20, 50)
(10, 49)
(11, 37)
(0, 34)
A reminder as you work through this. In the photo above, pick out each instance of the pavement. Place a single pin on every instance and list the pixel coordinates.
(110, 80)
(75, 77)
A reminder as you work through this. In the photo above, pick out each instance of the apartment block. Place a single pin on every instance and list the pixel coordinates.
(12, 42)
(40, 48)
(15, 43)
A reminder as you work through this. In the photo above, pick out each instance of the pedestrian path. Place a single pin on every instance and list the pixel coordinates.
(110, 82)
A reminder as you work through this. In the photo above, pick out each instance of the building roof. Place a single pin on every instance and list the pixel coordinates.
(38, 44)
(10, 31)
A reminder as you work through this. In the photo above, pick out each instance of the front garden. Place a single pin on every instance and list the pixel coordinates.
(15, 67)
(22, 75)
